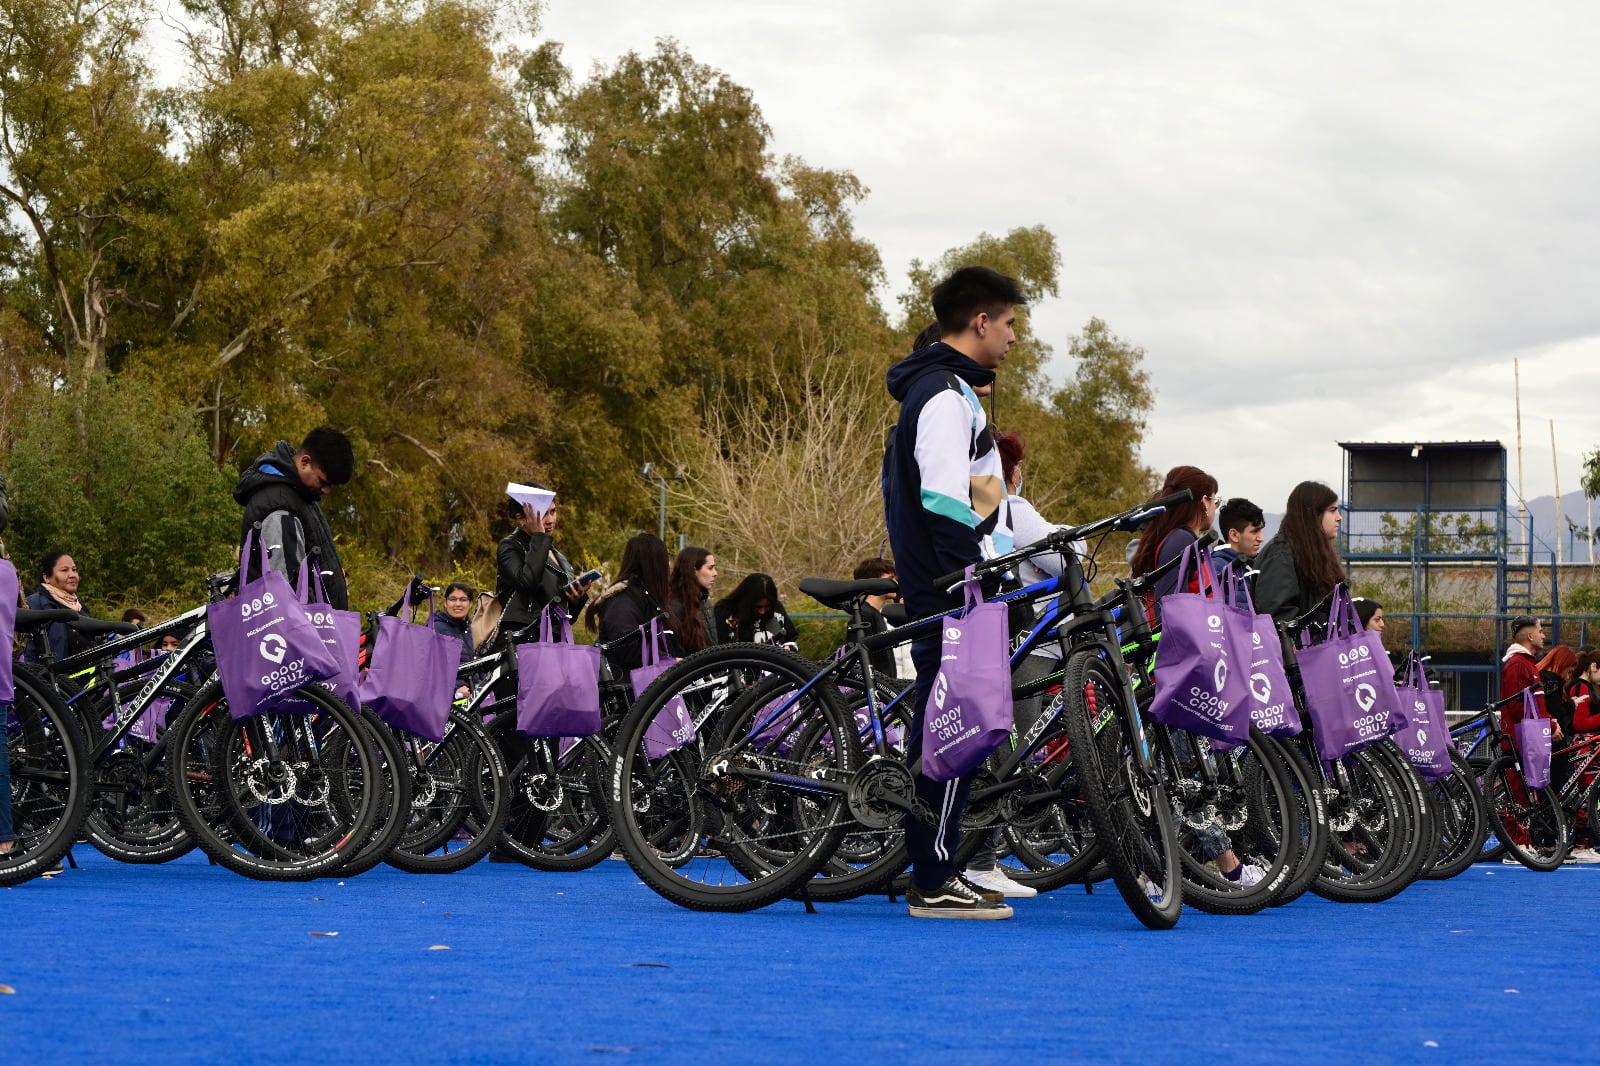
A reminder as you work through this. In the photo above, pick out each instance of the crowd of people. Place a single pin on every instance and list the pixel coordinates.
(952, 497)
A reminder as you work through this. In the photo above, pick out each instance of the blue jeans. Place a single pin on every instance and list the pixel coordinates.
(6, 831)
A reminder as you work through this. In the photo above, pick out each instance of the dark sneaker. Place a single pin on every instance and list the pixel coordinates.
(955, 899)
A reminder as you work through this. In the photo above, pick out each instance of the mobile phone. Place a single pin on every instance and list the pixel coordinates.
(585, 580)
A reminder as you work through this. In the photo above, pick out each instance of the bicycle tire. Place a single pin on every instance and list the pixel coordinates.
(459, 788)
(868, 859)
(215, 773)
(394, 800)
(1419, 818)
(1371, 815)
(1538, 816)
(1312, 807)
(1132, 820)
(50, 778)
(713, 804)
(1463, 820)
(147, 830)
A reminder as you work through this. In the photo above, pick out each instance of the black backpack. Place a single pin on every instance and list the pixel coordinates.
(1556, 701)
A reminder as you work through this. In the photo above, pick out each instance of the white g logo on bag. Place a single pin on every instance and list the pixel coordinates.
(1263, 690)
(1422, 737)
(1220, 675)
(274, 647)
(941, 689)
(1366, 696)
(1255, 638)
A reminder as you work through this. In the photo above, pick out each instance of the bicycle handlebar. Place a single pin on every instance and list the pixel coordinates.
(1061, 539)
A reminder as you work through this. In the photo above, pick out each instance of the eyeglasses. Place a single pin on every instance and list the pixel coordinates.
(458, 599)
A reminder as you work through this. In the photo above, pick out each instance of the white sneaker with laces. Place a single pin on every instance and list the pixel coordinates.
(995, 880)
(1250, 874)
(1583, 855)
(1510, 860)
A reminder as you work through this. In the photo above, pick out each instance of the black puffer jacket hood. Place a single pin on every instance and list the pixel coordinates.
(276, 466)
(933, 359)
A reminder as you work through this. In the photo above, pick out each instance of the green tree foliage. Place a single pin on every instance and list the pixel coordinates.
(374, 214)
(132, 495)
(1591, 474)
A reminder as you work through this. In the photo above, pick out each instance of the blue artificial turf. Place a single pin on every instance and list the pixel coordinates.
(188, 963)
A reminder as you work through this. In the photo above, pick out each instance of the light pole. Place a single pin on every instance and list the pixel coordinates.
(650, 474)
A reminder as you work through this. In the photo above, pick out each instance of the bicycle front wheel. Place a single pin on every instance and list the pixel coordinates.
(1529, 820)
(1132, 815)
(277, 797)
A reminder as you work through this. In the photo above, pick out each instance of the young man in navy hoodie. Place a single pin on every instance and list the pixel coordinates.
(943, 491)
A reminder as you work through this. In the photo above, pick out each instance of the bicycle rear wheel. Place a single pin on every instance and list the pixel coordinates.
(1132, 817)
(50, 779)
(738, 825)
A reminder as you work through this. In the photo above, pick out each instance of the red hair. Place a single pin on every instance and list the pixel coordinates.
(1200, 484)
(1561, 661)
(1009, 445)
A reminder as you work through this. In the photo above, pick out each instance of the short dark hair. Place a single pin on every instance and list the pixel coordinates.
(870, 568)
(1587, 657)
(971, 290)
(1239, 513)
(133, 614)
(47, 564)
(331, 451)
(462, 585)
(931, 334)
(1521, 622)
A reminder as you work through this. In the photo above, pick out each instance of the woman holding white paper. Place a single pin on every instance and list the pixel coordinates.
(531, 572)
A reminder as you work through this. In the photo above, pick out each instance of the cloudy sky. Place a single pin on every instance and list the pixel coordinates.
(1339, 223)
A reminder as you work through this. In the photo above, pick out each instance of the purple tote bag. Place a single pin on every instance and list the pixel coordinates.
(673, 725)
(1271, 701)
(1202, 672)
(969, 713)
(558, 682)
(265, 644)
(411, 678)
(8, 631)
(1533, 743)
(1422, 736)
(341, 632)
(1349, 684)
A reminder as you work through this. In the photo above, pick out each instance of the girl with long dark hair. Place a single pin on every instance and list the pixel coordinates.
(1299, 565)
(689, 599)
(753, 612)
(631, 601)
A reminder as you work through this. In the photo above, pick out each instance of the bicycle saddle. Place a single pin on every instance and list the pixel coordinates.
(840, 594)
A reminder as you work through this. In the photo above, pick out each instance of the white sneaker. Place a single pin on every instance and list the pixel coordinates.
(995, 880)
(1583, 855)
(1510, 861)
(1250, 874)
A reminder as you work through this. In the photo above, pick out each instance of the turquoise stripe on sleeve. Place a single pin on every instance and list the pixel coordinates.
(949, 506)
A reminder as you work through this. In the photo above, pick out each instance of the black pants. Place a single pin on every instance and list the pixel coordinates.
(932, 848)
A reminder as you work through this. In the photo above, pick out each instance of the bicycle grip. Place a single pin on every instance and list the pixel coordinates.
(1181, 496)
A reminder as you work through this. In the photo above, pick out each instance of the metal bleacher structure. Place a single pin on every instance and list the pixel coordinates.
(1432, 519)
